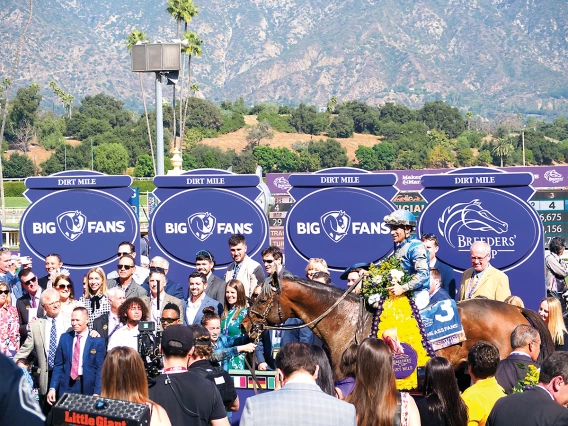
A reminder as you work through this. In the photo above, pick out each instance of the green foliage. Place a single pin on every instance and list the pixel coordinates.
(18, 166)
(14, 189)
(267, 107)
(24, 110)
(557, 130)
(465, 157)
(330, 153)
(232, 121)
(203, 114)
(365, 118)
(484, 158)
(342, 126)
(396, 113)
(366, 157)
(305, 119)
(277, 122)
(50, 131)
(111, 158)
(440, 116)
(440, 157)
(408, 160)
(386, 154)
(244, 163)
(144, 166)
(144, 185)
(257, 133)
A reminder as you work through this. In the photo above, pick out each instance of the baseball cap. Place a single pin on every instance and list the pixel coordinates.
(177, 336)
(364, 266)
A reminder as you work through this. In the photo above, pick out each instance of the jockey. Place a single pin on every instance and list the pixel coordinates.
(413, 255)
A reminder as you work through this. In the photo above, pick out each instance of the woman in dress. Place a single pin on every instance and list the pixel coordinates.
(123, 377)
(95, 298)
(64, 285)
(348, 368)
(9, 323)
(442, 404)
(375, 386)
(550, 311)
(235, 312)
(224, 347)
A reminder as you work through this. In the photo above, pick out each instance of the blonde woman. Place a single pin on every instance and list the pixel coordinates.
(550, 311)
(315, 264)
(515, 301)
(95, 298)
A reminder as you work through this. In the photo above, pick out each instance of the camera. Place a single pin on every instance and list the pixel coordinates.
(149, 348)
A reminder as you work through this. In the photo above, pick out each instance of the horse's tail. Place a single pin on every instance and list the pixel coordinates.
(547, 345)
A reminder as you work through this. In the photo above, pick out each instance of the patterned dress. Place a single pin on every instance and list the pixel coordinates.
(93, 309)
(9, 330)
(231, 327)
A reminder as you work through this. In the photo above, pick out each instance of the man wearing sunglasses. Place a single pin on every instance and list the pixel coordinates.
(140, 274)
(126, 267)
(204, 263)
(173, 288)
(29, 305)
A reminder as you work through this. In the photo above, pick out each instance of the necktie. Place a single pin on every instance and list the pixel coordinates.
(76, 355)
(114, 329)
(33, 302)
(236, 270)
(52, 344)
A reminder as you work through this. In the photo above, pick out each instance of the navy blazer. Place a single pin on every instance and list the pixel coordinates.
(264, 350)
(173, 288)
(93, 358)
(299, 335)
(448, 278)
(207, 301)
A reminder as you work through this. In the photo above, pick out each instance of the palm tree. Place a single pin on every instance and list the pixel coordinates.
(8, 83)
(134, 37)
(469, 115)
(191, 49)
(503, 148)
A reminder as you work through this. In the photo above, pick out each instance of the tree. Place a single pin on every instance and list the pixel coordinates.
(191, 48)
(342, 126)
(23, 135)
(111, 158)
(330, 153)
(332, 104)
(305, 119)
(386, 154)
(134, 37)
(396, 113)
(18, 166)
(181, 11)
(25, 108)
(366, 157)
(203, 114)
(407, 160)
(440, 116)
(365, 117)
(257, 133)
(503, 147)
(440, 157)
(265, 157)
(144, 167)
(465, 157)
(484, 158)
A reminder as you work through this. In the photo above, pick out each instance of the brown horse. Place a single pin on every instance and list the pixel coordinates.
(351, 320)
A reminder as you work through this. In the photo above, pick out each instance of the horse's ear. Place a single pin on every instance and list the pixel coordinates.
(275, 281)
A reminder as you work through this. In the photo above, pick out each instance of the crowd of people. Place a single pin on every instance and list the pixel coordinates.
(90, 344)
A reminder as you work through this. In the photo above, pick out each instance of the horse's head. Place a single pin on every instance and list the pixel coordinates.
(476, 218)
(265, 308)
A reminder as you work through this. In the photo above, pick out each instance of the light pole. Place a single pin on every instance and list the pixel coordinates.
(92, 157)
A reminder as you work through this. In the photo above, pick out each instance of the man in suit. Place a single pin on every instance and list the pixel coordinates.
(543, 405)
(109, 322)
(204, 263)
(126, 248)
(53, 265)
(43, 339)
(78, 360)
(300, 401)
(198, 299)
(437, 293)
(163, 298)
(483, 279)
(525, 341)
(447, 273)
(243, 268)
(171, 287)
(29, 305)
(126, 269)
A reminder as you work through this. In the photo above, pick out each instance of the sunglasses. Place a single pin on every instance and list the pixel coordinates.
(31, 280)
(3, 249)
(269, 261)
(126, 267)
(6, 292)
(64, 286)
(169, 320)
(158, 270)
(123, 253)
(204, 253)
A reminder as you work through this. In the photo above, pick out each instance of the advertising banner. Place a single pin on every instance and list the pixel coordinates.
(338, 215)
(482, 204)
(81, 215)
(200, 210)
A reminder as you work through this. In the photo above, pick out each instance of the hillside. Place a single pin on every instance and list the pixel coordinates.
(485, 56)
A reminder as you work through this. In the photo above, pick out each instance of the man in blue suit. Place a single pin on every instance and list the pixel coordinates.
(78, 360)
(447, 273)
(198, 300)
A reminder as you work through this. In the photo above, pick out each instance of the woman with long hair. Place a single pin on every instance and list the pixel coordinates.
(95, 299)
(224, 347)
(375, 397)
(325, 374)
(442, 404)
(550, 311)
(315, 264)
(9, 323)
(235, 312)
(348, 369)
(64, 285)
(123, 377)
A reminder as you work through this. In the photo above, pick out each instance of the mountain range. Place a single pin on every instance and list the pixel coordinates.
(484, 56)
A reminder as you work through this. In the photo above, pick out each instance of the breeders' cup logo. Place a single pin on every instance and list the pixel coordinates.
(71, 224)
(471, 216)
(282, 183)
(336, 224)
(202, 225)
(553, 176)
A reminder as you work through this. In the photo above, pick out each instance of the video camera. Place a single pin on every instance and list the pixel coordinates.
(149, 348)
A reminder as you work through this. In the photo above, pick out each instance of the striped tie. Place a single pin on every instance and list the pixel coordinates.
(52, 344)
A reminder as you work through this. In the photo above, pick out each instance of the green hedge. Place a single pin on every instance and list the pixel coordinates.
(14, 189)
(144, 185)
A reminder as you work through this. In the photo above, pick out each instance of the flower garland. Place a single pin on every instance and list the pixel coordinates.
(530, 380)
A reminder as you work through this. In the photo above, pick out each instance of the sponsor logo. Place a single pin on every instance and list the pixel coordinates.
(335, 224)
(553, 176)
(282, 183)
(71, 224)
(473, 217)
(202, 225)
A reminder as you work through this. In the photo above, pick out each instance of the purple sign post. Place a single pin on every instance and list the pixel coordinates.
(483, 204)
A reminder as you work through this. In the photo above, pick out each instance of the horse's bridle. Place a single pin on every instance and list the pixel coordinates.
(259, 326)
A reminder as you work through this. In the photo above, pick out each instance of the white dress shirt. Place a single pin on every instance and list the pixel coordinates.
(124, 336)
